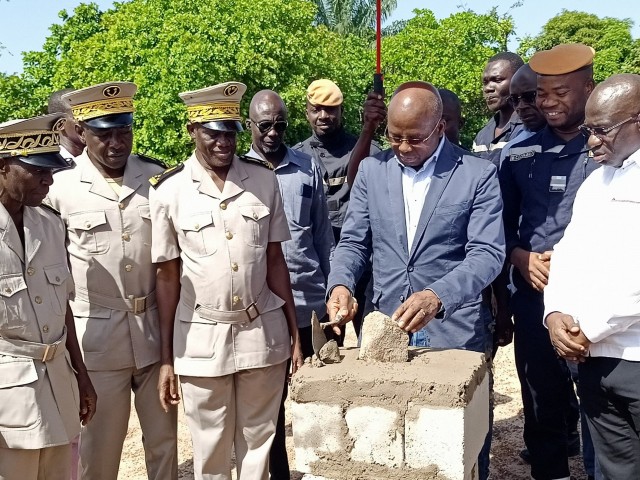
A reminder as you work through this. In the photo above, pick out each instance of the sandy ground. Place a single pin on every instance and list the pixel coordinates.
(507, 433)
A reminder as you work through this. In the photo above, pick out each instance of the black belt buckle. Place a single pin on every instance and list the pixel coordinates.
(252, 312)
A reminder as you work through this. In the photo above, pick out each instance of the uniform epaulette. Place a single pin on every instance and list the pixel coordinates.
(146, 158)
(46, 206)
(297, 146)
(161, 177)
(257, 161)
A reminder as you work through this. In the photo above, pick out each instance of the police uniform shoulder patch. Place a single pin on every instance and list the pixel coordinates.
(148, 159)
(161, 177)
(256, 161)
(46, 206)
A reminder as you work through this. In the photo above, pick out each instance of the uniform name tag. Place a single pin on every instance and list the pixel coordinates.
(558, 184)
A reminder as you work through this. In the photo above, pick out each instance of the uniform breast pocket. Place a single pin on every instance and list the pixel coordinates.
(57, 276)
(199, 234)
(92, 230)
(12, 295)
(256, 224)
(145, 225)
(301, 199)
(18, 389)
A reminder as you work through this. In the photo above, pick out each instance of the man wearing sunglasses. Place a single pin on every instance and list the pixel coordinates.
(592, 306)
(539, 179)
(504, 124)
(430, 215)
(330, 146)
(104, 202)
(307, 253)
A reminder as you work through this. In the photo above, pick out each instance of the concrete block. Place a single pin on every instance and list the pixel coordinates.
(319, 428)
(377, 435)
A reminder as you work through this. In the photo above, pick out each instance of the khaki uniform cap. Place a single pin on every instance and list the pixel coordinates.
(103, 100)
(562, 59)
(324, 92)
(216, 107)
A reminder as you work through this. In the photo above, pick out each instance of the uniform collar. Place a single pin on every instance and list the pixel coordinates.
(290, 157)
(99, 185)
(233, 184)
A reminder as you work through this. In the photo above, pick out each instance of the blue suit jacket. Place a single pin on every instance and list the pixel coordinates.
(458, 249)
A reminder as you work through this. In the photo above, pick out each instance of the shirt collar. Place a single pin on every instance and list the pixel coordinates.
(429, 161)
(290, 157)
(633, 158)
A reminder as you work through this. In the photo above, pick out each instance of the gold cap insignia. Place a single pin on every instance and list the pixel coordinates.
(101, 100)
(216, 103)
(59, 125)
(21, 138)
(111, 91)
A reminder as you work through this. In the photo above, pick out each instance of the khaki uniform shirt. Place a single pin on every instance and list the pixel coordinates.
(221, 239)
(39, 401)
(109, 244)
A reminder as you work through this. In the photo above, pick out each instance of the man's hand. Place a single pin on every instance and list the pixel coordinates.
(418, 310)
(297, 359)
(567, 337)
(88, 398)
(341, 307)
(168, 387)
(534, 267)
(375, 111)
(503, 334)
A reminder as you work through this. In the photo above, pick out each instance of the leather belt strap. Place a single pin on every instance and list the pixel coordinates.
(246, 315)
(136, 305)
(44, 352)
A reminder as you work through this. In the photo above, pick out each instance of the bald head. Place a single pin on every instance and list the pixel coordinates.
(266, 99)
(415, 124)
(268, 122)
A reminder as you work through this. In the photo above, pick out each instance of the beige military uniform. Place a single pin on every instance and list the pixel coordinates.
(38, 390)
(109, 246)
(231, 339)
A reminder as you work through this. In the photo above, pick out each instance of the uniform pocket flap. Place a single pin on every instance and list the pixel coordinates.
(57, 274)
(144, 211)
(87, 220)
(16, 371)
(254, 212)
(11, 283)
(197, 222)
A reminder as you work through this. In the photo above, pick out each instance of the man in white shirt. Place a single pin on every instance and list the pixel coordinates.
(592, 301)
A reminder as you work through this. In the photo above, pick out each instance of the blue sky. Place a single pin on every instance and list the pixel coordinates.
(25, 23)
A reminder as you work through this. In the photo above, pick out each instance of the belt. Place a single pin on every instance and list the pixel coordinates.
(136, 305)
(248, 314)
(335, 181)
(43, 352)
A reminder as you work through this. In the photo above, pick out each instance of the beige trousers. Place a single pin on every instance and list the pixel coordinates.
(239, 409)
(51, 463)
(101, 441)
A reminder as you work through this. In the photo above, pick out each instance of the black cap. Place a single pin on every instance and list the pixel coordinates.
(224, 125)
(111, 121)
(45, 160)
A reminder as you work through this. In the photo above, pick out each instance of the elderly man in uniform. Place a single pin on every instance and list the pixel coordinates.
(539, 180)
(227, 315)
(307, 253)
(71, 144)
(104, 204)
(598, 322)
(330, 146)
(504, 124)
(41, 397)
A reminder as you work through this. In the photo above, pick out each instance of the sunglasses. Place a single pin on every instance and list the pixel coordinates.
(527, 97)
(600, 132)
(279, 126)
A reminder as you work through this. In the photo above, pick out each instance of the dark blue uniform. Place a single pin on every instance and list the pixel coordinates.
(539, 180)
(488, 145)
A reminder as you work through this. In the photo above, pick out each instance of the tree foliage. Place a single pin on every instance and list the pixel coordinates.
(356, 17)
(450, 53)
(616, 50)
(169, 46)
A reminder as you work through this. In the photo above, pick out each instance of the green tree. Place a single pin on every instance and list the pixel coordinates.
(450, 53)
(616, 50)
(169, 46)
(351, 16)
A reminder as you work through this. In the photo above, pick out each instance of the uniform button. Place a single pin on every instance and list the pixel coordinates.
(7, 290)
(31, 271)
(38, 300)
(57, 279)
(236, 299)
(126, 237)
(322, 154)
(45, 329)
(402, 298)
(234, 267)
(410, 268)
(255, 216)
(196, 226)
(121, 206)
(223, 206)
(87, 225)
(128, 267)
(229, 235)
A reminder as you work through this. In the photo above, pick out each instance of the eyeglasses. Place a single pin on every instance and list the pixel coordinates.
(600, 132)
(397, 141)
(527, 97)
(279, 126)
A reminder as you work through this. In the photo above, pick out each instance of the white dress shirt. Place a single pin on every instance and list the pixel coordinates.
(415, 186)
(595, 268)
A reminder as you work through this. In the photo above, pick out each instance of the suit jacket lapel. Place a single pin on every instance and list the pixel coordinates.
(445, 164)
(396, 198)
